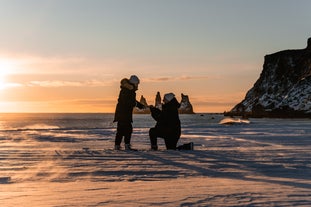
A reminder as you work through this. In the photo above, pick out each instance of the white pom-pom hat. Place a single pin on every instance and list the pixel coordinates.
(134, 79)
(169, 96)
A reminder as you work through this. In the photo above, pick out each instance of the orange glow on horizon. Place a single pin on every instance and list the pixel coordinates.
(63, 107)
(28, 85)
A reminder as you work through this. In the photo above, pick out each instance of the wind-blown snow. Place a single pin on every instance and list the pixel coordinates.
(266, 162)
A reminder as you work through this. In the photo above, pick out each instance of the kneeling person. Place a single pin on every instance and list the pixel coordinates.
(168, 123)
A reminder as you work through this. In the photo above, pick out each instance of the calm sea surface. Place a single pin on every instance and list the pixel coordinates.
(28, 121)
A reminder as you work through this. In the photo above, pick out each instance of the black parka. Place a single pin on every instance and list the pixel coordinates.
(126, 102)
(168, 119)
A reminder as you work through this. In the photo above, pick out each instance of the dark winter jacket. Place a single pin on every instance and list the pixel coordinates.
(168, 118)
(126, 102)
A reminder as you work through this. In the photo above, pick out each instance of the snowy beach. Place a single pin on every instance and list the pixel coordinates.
(67, 160)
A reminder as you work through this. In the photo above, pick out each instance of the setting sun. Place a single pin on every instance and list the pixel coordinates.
(5, 67)
(2, 79)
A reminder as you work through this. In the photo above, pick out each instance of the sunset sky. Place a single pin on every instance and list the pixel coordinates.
(70, 55)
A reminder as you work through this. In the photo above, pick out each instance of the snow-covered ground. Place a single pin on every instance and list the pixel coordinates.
(69, 161)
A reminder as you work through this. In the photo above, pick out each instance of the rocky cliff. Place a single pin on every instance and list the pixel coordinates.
(185, 108)
(283, 88)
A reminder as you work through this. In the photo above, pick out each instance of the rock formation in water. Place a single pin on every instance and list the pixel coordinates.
(185, 105)
(157, 102)
(142, 111)
(185, 108)
(283, 88)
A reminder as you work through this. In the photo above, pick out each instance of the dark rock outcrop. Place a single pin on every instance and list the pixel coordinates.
(185, 108)
(157, 102)
(143, 101)
(283, 88)
(142, 111)
(185, 105)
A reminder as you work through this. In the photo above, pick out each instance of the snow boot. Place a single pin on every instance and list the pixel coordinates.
(191, 146)
(188, 146)
(128, 147)
(117, 147)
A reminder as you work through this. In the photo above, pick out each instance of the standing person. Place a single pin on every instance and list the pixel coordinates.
(168, 123)
(124, 111)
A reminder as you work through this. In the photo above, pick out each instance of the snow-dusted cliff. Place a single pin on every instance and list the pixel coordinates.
(283, 88)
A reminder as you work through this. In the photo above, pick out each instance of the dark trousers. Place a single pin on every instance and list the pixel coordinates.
(124, 129)
(170, 137)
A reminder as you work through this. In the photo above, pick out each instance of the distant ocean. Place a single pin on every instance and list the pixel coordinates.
(46, 121)
(102, 123)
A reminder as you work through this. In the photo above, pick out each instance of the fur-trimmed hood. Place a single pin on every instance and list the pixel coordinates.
(125, 83)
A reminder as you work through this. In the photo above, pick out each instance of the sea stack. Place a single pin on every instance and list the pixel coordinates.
(185, 105)
(157, 102)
